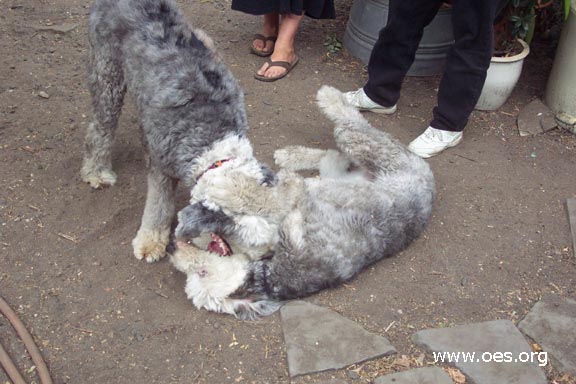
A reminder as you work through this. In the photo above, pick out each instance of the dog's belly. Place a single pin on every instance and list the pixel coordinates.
(344, 228)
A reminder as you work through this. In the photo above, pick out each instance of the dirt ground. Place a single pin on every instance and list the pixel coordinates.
(498, 239)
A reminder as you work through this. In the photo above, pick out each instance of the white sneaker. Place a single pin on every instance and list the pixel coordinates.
(362, 102)
(433, 141)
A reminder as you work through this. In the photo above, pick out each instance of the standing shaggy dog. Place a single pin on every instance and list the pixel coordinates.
(373, 197)
(187, 99)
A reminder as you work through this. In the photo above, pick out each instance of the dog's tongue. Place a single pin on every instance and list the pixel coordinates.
(218, 245)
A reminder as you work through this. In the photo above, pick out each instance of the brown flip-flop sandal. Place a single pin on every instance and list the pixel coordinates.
(264, 40)
(284, 64)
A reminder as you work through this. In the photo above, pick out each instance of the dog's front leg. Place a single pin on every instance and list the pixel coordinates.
(330, 163)
(297, 158)
(154, 233)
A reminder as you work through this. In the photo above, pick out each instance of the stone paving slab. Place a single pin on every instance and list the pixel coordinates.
(552, 323)
(318, 339)
(491, 340)
(428, 375)
(535, 118)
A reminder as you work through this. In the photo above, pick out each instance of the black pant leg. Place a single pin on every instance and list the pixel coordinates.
(466, 64)
(395, 49)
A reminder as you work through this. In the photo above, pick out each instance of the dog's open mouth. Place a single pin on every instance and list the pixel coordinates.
(219, 245)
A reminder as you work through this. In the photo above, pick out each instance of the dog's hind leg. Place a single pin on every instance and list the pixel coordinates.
(355, 137)
(154, 233)
(107, 88)
(370, 148)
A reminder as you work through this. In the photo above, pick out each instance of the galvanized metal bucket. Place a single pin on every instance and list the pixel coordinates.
(368, 17)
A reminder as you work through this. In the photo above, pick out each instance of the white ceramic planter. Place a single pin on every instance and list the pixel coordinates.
(502, 76)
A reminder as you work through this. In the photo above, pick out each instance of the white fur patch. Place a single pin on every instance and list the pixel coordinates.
(293, 226)
(256, 231)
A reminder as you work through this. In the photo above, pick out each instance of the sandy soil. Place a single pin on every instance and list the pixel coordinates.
(498, 239)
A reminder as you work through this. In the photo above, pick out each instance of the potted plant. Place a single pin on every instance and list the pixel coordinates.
(513, 33)
(510, 50)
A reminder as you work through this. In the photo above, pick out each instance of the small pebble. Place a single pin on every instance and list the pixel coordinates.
(353, 375)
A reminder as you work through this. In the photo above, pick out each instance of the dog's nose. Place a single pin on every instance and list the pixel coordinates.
(170, 248)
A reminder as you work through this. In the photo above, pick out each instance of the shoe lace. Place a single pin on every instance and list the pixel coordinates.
(355, 97)
(433, 135)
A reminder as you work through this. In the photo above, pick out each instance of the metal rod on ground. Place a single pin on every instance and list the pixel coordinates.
(10, 368)
(28, 341)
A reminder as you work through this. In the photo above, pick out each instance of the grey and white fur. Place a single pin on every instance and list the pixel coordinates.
(186, 97)
(373, 198)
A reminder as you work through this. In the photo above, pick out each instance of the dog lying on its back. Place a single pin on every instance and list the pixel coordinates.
(372, 199)
(187, 99)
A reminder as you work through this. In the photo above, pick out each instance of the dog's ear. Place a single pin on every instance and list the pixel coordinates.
(195, 219)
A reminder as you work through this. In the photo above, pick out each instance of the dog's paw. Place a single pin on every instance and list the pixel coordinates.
(98, 179)
(150, 245)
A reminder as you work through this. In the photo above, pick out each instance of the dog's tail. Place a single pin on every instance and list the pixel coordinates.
(246, 309)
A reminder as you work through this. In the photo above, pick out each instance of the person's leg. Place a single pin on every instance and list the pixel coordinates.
(269, 29)
(466, 63)
(284, 48)
(464, 76)
(395, 49)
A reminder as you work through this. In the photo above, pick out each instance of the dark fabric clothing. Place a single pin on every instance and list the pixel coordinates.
(317, 9)
(466, 63)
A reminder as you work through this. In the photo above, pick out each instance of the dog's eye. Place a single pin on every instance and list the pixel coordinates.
(202, 273)
(189, 242)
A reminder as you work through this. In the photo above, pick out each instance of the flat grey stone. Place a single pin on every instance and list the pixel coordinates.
(552, 324)
(487, 353)
(548, 122)
(428, 375)
(318, 339)
(571, 205)
(534, 117)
